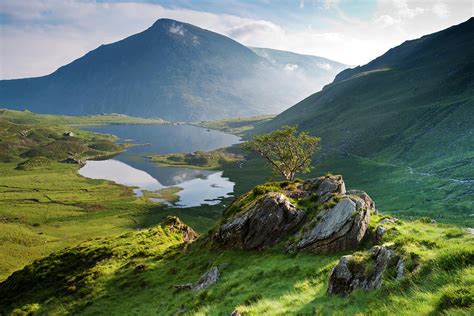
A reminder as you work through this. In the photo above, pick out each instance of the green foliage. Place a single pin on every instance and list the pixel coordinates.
(286, 151)
(456, 297)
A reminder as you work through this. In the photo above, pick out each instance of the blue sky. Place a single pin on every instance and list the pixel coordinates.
(38, 36)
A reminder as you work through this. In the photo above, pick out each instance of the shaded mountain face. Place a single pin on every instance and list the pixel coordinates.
(411, 107)
(172, 70)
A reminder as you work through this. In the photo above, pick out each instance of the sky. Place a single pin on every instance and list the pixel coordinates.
(38, 36)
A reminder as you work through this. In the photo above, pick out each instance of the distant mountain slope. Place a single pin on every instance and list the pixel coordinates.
(311, 72)
(412, 107)
(172, 70)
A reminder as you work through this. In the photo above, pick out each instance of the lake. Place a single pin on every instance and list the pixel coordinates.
(133, 168)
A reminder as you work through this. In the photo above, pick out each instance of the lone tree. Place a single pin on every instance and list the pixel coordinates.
(286, 151)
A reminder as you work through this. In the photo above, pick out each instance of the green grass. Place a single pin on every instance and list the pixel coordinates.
(206, 160)
(403, 134)
(27, 117)
(238, 126)
(46, 206)
(396, 189)
(135, 273)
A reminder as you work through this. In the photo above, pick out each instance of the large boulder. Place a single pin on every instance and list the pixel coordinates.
(338, 228)
(262, 225)
(364, 271)
(325, 187)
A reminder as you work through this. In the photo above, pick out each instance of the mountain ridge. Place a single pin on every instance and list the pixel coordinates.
(172, 70)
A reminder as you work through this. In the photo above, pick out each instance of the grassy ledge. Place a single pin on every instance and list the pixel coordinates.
(236, 126)
(206, 160)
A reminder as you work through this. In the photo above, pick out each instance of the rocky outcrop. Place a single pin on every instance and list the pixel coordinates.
(368, 202)
(206, 280)
(339, 219)
(339, 228)
(263, 225)
(325, 187)
(357, 271)
(175, 224)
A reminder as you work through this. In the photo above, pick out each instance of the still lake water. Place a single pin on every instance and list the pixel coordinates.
(133, 168)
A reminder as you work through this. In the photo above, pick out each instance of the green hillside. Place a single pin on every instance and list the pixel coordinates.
(402, 127)
(138, 273)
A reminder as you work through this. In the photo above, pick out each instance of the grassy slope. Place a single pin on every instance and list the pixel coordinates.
(237, 126)
(404, 134)
(45, 205)
(135, 273)
(27, 117)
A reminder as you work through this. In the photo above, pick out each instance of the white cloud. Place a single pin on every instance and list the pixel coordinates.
(324, 66)
(405, 11)
(387, 20)
(441, 10)
(291, 67)
(177, 29)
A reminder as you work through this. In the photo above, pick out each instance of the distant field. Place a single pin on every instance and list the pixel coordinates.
(27, 117)
(237, 126)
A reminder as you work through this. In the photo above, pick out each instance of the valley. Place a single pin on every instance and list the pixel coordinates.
(180, 172)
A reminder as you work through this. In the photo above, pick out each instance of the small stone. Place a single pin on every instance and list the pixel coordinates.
(235, 313)
(379, 232)
(400, 269)
(140, 268)
(183, 287)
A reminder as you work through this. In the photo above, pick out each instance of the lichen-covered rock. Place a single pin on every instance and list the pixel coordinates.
(352, 272)
(369, 203)
(175, 224)
(326, 187)
(379, 232)
(339, 228)
(207, 279)
(261, 226)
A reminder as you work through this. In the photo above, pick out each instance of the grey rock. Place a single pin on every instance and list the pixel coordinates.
(325, 187)
(400, 269)
(388, 221)
(339, 228)
(262, 225)
(369, 203)
(183, 287)
(207, 279)
(379, 232)
(347, 275)
(470, 231)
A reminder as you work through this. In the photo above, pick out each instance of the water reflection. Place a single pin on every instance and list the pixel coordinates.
(132, 168)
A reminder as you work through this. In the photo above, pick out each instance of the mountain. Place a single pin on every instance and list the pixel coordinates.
(312, 72)
(410, 113)
(172, 70)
